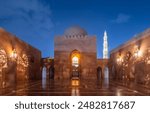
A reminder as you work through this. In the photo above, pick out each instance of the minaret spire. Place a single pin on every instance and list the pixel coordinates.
(105, 46)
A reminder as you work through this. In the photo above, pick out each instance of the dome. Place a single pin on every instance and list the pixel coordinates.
(75, 31)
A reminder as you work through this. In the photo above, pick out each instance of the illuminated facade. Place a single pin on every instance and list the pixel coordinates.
(131, 60)
(19, 62)
(75, 54)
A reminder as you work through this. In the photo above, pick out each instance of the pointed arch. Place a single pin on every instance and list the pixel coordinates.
(106, 73)
(75, 58)
(99, 73)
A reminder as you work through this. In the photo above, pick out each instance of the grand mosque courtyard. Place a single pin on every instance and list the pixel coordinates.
(75, 69)
(76, 88)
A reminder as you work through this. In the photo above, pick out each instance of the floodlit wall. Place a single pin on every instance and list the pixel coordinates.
(18, 60)
(131, 60)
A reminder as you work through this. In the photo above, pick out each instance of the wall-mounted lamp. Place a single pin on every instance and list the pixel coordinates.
(138, 53)
(13, 54)
(119, 60)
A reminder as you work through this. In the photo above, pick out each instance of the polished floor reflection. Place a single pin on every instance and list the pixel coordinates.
(76, 88)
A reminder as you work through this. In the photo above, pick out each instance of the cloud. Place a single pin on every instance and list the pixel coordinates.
(121, 18)
(32, 16)
(29, 20)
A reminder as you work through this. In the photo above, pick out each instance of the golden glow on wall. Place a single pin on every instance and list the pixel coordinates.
(3, 64)
(138, 53)
(21, 60)
(23, 63)
(13, 54)
(3, 59)
(119, 60)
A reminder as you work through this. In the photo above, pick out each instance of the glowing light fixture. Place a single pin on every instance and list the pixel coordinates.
(13, 54)
(119, 59)
(138, 53)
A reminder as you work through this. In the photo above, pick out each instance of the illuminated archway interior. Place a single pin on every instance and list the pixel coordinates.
(75, 61)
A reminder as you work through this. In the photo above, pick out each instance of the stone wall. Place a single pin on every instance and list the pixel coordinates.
(19, 61)
(131, 61)
(84, 44)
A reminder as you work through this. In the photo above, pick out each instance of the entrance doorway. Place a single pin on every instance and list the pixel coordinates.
(99, 73)
(75, 64)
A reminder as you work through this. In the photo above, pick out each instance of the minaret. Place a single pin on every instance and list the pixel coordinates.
(105, 46)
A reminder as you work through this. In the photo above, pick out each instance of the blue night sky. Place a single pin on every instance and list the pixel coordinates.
(37, 22)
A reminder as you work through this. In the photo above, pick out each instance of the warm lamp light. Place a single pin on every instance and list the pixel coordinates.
(75, 61)
(138, 53)
(13, 54)
(119, 60)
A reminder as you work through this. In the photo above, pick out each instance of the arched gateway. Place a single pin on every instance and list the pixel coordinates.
(75, 64)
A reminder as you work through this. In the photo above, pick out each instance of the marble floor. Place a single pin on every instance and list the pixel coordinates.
(76, 88)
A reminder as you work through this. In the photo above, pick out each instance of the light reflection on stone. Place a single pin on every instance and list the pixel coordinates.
(75, 87)
(64, 88)
(44, 78)
(75, 91)
(106, 77)
(75, 82)
(118, 92)
(106, 83)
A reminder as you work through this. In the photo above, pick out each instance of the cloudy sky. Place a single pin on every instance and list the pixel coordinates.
(37, 22)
